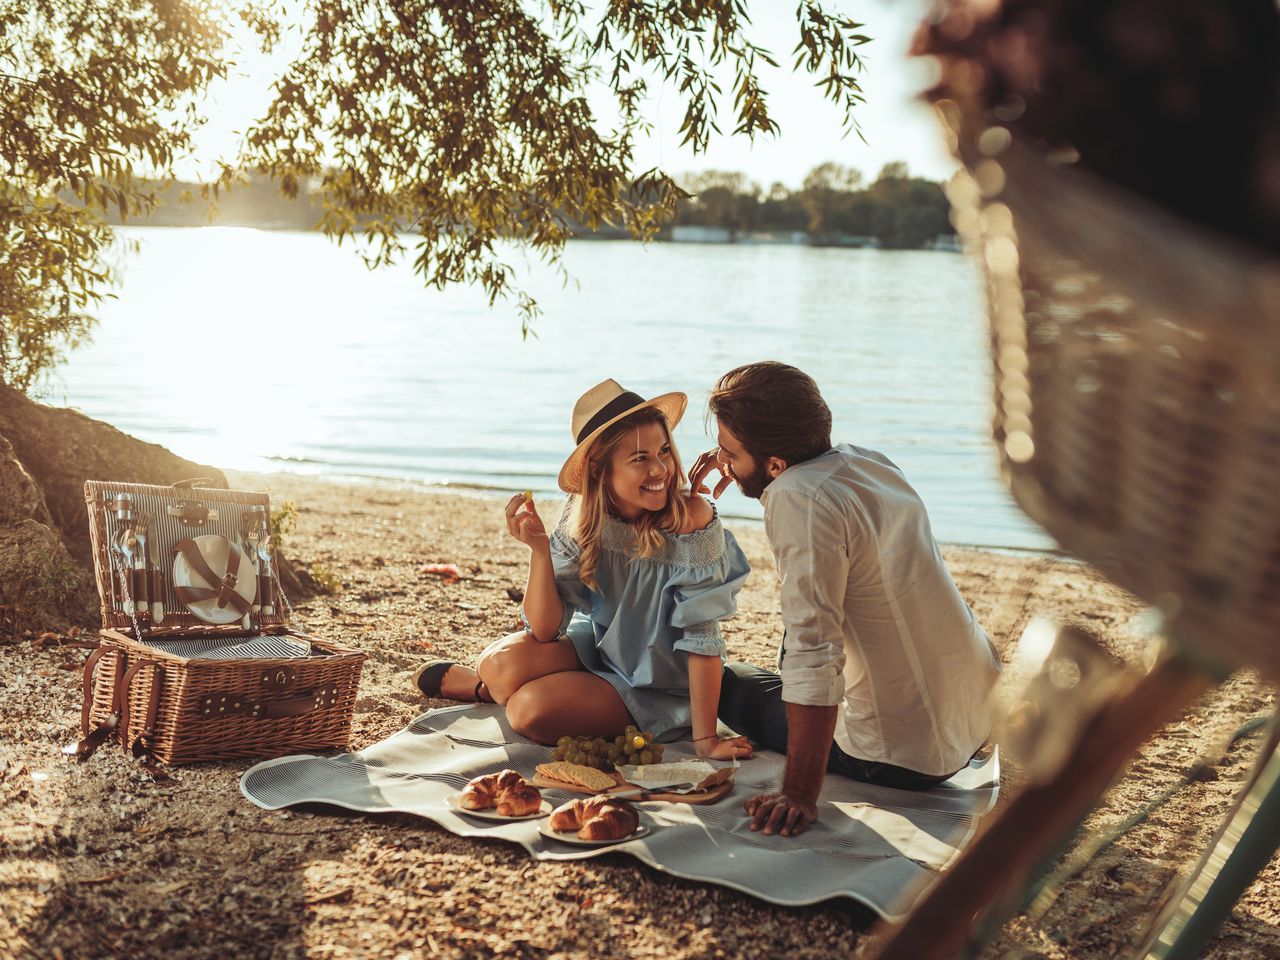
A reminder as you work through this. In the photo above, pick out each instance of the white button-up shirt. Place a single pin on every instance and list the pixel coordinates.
(873, 620)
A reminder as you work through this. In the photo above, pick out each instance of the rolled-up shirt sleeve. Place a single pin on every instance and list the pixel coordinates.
(810, 548)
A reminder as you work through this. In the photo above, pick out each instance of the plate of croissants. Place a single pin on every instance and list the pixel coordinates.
(500, 796)
(592, 821)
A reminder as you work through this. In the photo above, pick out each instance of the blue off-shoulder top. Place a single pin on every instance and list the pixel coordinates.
(648, 613)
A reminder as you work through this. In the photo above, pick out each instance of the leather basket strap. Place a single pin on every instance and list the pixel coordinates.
(141, 744)
(103, 732)
(230, 704)
(190, 595)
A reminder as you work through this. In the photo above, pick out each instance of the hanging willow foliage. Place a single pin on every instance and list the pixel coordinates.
(452, 129)
(89, 89)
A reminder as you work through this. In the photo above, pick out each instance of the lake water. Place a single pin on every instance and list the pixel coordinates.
(263, 350)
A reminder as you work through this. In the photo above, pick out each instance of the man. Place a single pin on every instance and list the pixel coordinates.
(885, 674)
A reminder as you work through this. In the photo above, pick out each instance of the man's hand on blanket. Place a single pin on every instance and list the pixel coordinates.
(781, 814)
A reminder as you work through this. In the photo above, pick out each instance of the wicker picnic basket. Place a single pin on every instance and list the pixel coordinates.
(156, 682)
(1137, 387)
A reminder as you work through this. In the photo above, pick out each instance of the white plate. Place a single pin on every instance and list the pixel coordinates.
(216, 550)
(492, 814)
(546, 831)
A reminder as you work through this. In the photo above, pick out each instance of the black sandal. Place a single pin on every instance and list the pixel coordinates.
(430, 675)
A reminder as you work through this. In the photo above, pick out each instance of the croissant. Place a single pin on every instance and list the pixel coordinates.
(478, 794)
(510, 793)
(519, 800)
(613, 822)
(567, 816)
(596, 818)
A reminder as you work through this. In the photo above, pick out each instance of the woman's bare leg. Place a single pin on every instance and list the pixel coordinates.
(460, 682)
(517, 659)
(573, 703)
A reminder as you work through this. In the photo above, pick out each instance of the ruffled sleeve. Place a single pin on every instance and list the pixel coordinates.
(566, 562)
(705, 593)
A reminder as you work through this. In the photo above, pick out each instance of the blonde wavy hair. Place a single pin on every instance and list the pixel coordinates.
(595, 502)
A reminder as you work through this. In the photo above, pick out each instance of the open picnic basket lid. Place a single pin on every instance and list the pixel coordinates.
(1137, 386)
(229, 529)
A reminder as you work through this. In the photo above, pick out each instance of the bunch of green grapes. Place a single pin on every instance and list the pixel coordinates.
(630, 746)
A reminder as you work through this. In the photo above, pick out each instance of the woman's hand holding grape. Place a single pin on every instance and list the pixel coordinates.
(523, 521)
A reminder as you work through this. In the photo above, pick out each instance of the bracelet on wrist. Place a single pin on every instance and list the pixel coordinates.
(712, 736)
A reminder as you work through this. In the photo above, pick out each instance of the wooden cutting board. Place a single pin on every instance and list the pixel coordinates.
(715, 794)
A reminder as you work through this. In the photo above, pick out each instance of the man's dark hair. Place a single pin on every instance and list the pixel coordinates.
(775, 410)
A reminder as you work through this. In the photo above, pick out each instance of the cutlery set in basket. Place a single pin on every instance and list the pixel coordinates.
(198, 660)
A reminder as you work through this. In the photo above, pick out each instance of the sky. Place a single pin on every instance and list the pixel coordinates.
(894, 123)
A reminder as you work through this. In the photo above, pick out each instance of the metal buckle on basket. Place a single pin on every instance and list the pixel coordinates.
(190, 513)
(279, 678)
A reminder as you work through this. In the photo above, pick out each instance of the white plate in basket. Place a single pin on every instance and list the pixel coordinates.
(217, 551)
(456, 806)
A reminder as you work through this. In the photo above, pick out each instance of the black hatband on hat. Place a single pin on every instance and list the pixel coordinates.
(619, 404)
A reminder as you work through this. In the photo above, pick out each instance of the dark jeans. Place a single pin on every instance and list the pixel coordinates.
(751, 703)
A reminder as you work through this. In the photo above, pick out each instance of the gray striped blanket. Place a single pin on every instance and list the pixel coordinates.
(874, 845)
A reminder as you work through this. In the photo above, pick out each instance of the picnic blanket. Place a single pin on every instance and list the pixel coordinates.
(875, 845)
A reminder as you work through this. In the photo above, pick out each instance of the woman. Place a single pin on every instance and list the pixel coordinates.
(623, 597)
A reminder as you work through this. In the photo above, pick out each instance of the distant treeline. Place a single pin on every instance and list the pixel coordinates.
(832, 207)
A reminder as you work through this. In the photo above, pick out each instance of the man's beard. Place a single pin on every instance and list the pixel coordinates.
(753, 484)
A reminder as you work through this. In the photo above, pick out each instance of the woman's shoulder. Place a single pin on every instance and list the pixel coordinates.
(699, 514)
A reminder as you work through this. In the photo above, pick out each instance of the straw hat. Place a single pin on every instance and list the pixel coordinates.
(602, 406)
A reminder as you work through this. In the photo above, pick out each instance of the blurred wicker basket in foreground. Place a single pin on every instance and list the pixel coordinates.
(1137, 382)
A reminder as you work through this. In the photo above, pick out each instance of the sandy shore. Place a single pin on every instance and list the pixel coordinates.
(104, 860)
